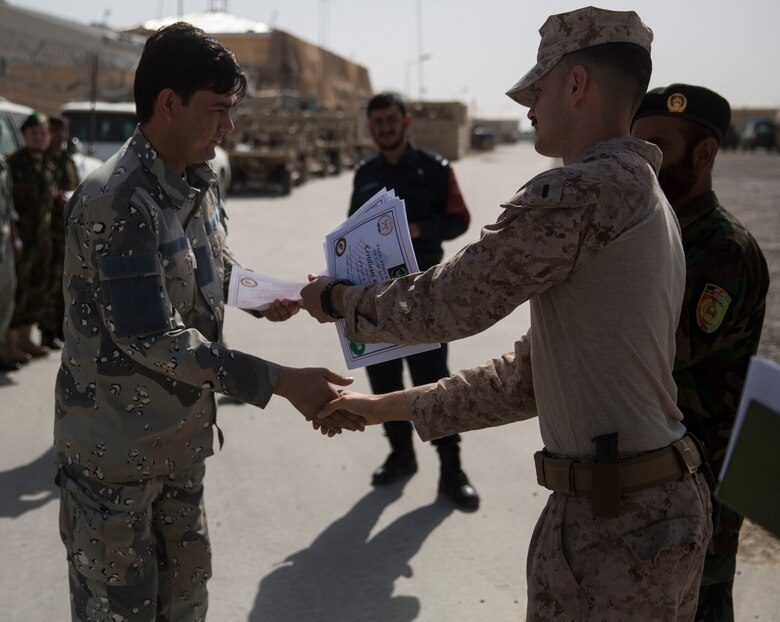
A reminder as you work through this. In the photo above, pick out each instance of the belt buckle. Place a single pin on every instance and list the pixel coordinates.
(683, 448)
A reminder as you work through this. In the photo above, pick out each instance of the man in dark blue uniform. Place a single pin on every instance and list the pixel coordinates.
(436, 212)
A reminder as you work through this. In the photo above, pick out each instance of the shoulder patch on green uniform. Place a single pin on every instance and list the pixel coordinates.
(712, 307)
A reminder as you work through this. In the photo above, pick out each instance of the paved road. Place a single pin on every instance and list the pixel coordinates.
(298, 534)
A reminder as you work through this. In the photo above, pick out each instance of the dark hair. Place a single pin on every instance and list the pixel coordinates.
(621, 69)
(380, 101)
(184, 58)
(57, 123)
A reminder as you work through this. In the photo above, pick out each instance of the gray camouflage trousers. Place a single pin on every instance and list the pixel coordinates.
(136, 552)
(644, 565)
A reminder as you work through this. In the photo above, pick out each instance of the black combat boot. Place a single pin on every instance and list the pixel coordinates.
(400, 463)
(453, 481)
(49, 339)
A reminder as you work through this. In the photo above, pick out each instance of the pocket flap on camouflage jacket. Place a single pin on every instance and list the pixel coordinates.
(127, 266)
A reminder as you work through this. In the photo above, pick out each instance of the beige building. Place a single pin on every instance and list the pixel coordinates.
(277, 62)
(46, 61)
(741, 116)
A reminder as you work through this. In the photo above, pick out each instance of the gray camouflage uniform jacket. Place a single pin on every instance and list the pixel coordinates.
(145, 269)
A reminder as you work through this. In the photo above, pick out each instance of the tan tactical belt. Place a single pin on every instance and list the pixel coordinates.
(575, 478)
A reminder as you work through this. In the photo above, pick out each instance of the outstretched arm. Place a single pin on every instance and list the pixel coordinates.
(495, 393)
(372, 409)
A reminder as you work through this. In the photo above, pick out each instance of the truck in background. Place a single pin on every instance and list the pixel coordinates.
(280, 141)
(103, 127)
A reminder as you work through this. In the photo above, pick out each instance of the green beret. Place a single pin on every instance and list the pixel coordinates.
(692, 103)
(36, 118)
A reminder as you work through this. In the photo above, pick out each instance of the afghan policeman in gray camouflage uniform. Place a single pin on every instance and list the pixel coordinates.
(595, 247)
(146, 267)
(724, 303)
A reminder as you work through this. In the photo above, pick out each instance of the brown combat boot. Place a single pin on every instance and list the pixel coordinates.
(22, 341)
(11, 354)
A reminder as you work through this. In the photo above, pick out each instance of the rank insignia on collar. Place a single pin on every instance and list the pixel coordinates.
(677, 102)
(712, 307)
(547, 191)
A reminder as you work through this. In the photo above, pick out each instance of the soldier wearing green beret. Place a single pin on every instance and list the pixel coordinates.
(724, 302)
(67, 180)
(11, 358)
(35, 189)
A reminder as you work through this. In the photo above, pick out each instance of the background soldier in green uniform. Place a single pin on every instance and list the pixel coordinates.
(724, 302)
(35, 190)
(11, 358)
(67, 180)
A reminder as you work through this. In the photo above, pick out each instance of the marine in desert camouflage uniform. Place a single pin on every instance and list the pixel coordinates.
(723, 305)
(145, 269)
(595, 247)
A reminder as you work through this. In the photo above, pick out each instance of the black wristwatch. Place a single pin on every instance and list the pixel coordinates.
(325, 302)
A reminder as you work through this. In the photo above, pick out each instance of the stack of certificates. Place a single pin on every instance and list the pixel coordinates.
(371, 246)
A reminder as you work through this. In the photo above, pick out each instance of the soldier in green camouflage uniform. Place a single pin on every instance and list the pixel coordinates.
(146, 266)
(35, 191)
(724, 303)
(67, 180)
(11, 358)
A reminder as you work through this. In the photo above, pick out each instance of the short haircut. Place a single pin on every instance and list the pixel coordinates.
(380, 101)
(622, 70)
(57, 123)
(184, 58)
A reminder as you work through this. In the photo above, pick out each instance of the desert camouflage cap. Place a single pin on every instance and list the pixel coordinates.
(576, 30)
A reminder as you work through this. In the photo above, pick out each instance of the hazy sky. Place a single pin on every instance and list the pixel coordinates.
(479, 48)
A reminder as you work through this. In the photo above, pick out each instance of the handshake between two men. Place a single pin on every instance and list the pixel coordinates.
(311, 391)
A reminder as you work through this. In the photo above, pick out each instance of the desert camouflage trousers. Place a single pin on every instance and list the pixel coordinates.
(137, 552)
(644, 565)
